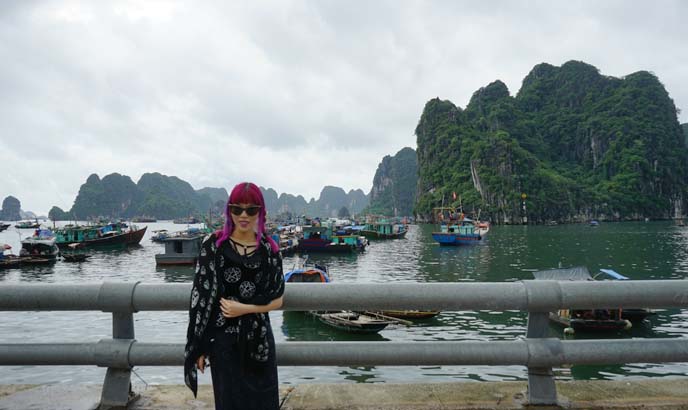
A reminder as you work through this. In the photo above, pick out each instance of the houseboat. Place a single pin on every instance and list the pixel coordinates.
(180, 250)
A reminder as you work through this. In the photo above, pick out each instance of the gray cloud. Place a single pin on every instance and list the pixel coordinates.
(294, 95)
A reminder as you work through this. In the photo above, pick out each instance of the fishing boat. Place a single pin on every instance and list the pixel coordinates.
(40, 248)
(93, 236)
(28, 225)
(160, 235)
(463, 232)
(591, 319)
(141, 219)
(188, 221)
(456, 229)
(382, 229)
(322, 239)
(287, 238)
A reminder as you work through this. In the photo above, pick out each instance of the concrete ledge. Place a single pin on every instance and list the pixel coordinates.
(658, 393)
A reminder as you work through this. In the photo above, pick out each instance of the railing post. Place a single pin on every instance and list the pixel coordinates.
(541, 387)
(117, 392)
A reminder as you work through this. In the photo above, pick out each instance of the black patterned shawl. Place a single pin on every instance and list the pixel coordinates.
(207, 286)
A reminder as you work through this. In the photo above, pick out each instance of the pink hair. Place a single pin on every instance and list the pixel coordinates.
(245, 193)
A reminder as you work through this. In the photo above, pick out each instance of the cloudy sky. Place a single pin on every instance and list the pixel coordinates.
(293, 95)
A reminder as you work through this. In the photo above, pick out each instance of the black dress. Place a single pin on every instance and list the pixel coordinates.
(241, 350)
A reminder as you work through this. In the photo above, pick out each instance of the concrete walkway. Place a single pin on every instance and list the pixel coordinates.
(658, 393)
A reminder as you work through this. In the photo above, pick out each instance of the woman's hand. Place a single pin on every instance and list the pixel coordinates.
(232, 308)
(200, 363)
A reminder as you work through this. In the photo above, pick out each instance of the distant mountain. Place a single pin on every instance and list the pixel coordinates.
(168, 197)
(394, 185)
(330, 201)
(578, 144)
(11, 209)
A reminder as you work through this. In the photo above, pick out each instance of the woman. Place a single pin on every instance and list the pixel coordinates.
(238, 281)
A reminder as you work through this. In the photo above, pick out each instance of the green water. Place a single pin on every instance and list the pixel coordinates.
(654, 250)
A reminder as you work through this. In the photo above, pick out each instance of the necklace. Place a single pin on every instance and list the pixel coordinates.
(245, 247)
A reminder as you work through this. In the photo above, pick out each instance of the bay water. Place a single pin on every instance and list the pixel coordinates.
(641, 251)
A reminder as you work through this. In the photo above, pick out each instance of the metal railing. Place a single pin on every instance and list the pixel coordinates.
(536, 351)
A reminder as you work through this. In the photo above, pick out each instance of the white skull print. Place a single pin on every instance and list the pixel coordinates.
(194, 298)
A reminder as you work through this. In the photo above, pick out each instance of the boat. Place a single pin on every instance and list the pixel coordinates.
(354, 322)
(411, 314)
(160, 235)
(307, 274)
(92, 236)
(4, 226)
(28, 225)
(322, 239)
(180, 250)
(349, 321)
(463, 232)
(594, 223)
(40, 248)
(188, 221)
(287, 238)
(140, 219)
(382, 229)
(591, 319)
(457, 229)
(75, 253)
(8, 260)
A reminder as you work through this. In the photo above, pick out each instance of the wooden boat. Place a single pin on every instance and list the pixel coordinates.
(160, 235)
(411, 314)
(383, 229)
(27, 225)
(93, 236)
(464, 232)
(40, 248)
(353, 322)
(322, 239)
(141, 219)
(591, 319)
(75, 253)
(8, 260)
(77, 257)
(188, 221)
(457, 229)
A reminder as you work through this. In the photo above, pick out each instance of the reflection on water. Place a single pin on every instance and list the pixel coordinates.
(655, 250)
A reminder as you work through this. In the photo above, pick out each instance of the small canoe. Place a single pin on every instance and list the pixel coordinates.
(75, 257)
(411, 314)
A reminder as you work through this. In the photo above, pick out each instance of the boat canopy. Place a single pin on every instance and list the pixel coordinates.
(307, 275)
(575, 273)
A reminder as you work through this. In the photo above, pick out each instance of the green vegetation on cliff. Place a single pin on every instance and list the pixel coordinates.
(579, 144)
(168, 197)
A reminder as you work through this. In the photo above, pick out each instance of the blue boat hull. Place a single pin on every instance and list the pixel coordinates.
(456, 239)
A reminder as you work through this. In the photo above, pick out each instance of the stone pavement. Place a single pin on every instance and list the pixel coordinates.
(647, 394)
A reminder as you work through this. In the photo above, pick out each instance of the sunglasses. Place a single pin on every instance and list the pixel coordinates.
(250, 210)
